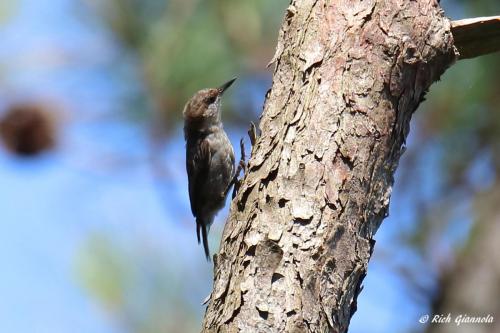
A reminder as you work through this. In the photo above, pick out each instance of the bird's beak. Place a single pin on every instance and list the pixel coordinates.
(226, 85)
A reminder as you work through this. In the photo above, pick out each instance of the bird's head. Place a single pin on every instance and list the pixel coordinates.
(203, 109)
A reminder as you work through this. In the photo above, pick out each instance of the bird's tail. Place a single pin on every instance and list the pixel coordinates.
(205, 227)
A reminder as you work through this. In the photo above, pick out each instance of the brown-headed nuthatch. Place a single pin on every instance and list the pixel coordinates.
(209, 158)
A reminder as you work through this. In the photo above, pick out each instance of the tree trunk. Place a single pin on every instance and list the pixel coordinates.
(348, 76)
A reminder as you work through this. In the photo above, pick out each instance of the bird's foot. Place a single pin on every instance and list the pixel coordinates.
(241, 166)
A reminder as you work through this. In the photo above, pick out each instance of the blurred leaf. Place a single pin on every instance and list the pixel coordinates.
(104, 272)
(138, 285)
(7, 9)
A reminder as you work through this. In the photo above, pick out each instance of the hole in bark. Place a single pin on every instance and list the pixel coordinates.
(302, 221)
(251, 250)
(282, 202)
(330, 266)
(291, 313)
(270, 177)
(276, 277)
(263, 314)
(299, 278)
(243, 200)
(331, 206)
(347, 161)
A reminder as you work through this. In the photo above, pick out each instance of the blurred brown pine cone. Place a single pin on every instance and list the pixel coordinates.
(27, 130)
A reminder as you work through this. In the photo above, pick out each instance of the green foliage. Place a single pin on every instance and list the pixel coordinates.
(140, 286)
(7, 8)
(104, 271)
(186, 45)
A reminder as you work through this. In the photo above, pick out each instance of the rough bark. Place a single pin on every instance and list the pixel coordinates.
(348, 76)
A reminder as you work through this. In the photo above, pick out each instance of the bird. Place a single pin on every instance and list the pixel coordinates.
(210, 162)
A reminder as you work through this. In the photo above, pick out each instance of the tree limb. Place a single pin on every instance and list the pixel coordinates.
(476, 36)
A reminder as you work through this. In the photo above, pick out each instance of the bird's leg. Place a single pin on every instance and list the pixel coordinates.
(237, 182)
(241, 166)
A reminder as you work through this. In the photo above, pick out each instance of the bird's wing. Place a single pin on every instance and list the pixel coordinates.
(198, 166)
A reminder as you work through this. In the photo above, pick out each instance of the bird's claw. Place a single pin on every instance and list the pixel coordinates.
(242, 165)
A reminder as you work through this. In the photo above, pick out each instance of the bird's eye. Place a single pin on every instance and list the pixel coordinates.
(210, 99)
